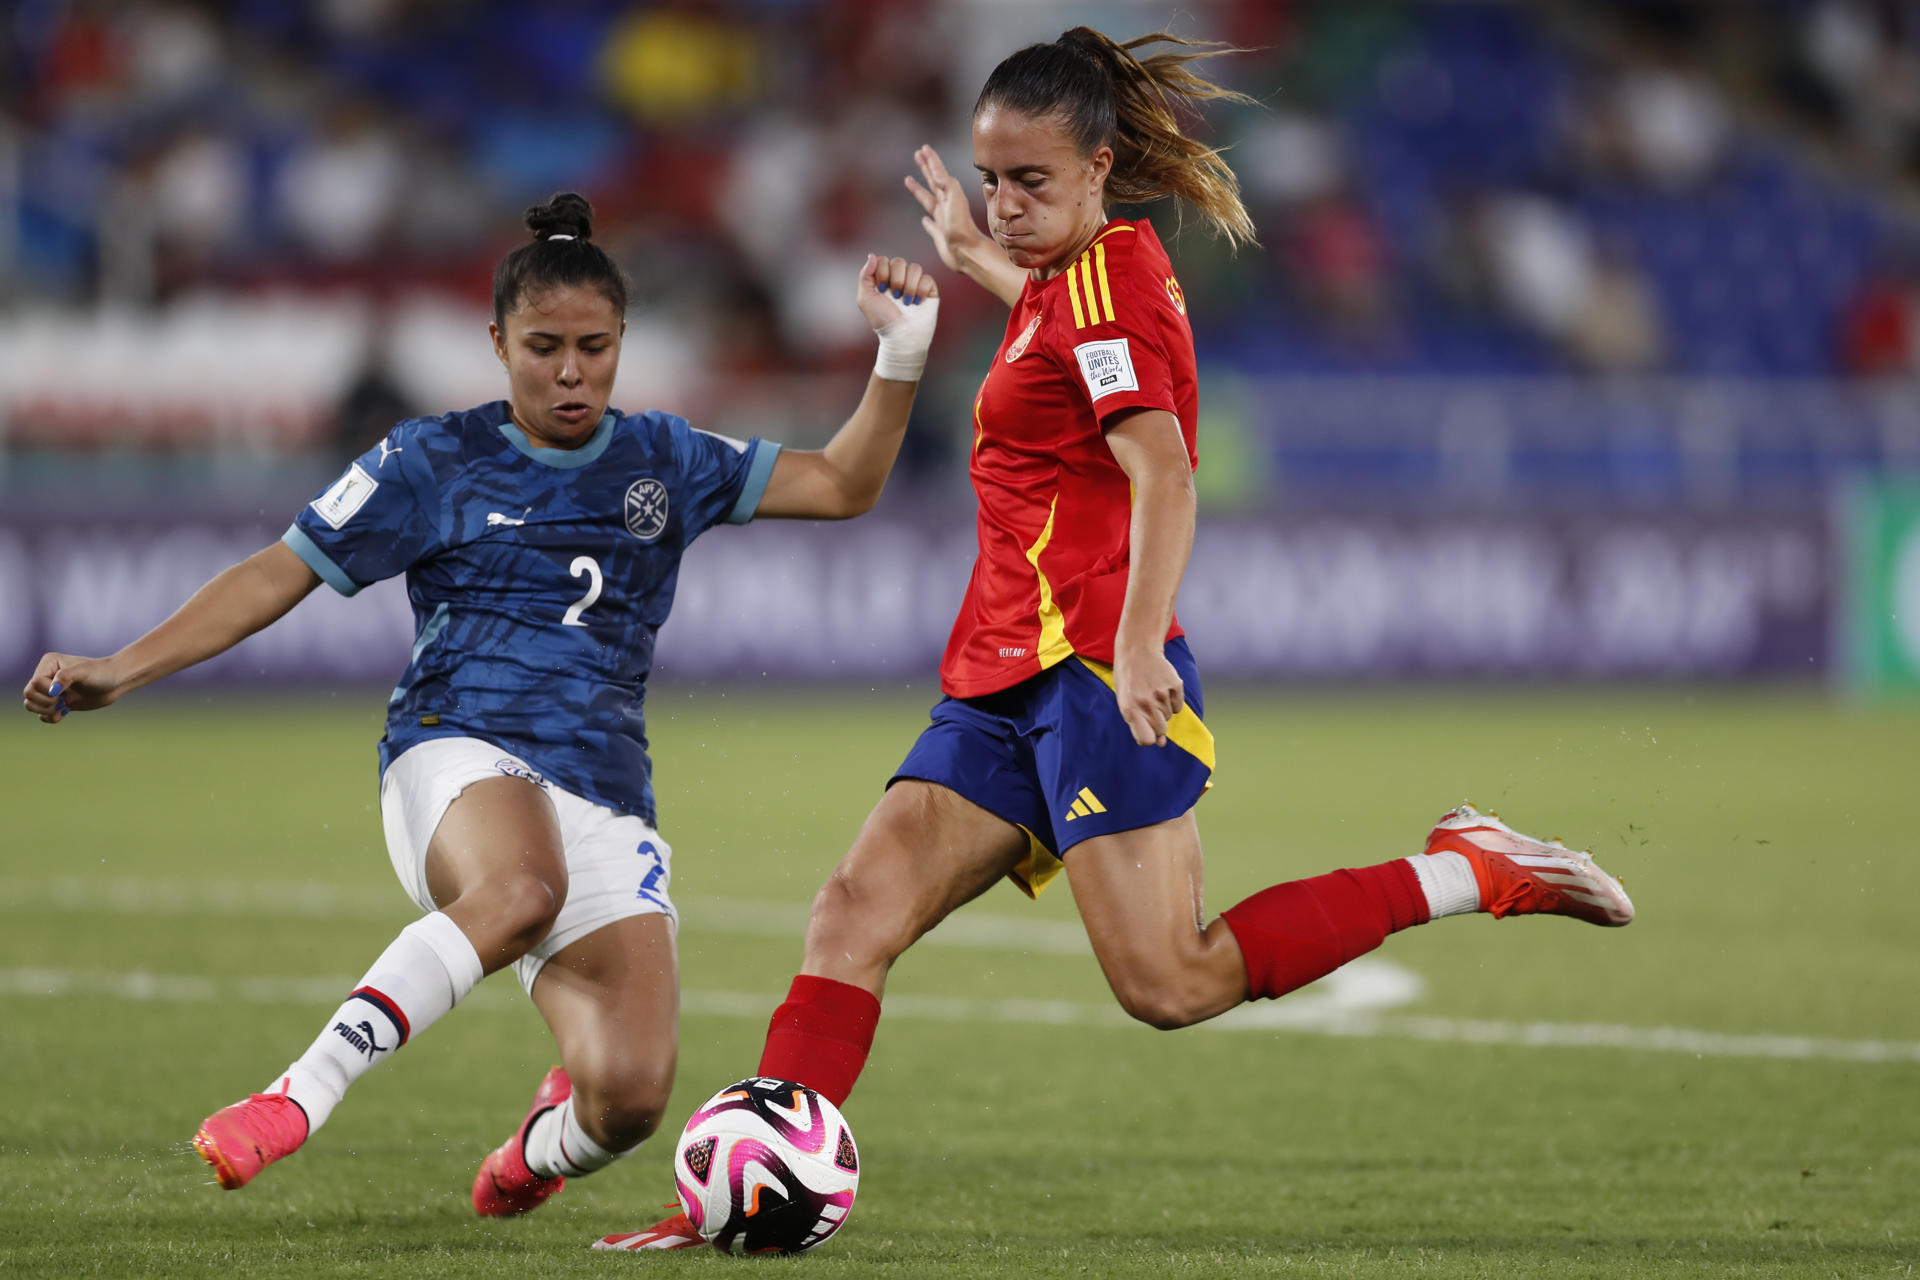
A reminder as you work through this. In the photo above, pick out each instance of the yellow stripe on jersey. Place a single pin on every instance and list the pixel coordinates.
(1053, 645)
(979, 428)
(1186, 730)
(1100, 265)
(1088, 276)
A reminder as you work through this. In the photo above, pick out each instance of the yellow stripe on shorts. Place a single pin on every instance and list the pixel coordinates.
(1185, 730)
(1037, 870)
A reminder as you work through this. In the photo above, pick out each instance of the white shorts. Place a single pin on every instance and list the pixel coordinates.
(617, 865)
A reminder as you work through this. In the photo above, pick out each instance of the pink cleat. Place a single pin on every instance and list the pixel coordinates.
(675, 1233)
(505, 1185)
(1519, 875)
(241, 1140)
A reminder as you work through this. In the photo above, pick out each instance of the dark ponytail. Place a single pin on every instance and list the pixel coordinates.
(562, 255)
(1108, 97)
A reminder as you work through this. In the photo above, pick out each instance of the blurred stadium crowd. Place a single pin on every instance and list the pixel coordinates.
(272, 224)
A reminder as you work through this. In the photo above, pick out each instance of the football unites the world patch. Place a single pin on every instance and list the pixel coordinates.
(1107, 367)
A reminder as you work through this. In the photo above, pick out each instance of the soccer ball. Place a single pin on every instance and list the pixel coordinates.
(766, 1166)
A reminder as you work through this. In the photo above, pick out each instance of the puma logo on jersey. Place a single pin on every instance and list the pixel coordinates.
(495, 519)
(1084, 805)
(387, 450)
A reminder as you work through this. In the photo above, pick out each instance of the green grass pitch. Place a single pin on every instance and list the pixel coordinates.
(198, 877)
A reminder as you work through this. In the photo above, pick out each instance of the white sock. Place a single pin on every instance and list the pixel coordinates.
(557, 1145)
(422, 974)
(1447, 880)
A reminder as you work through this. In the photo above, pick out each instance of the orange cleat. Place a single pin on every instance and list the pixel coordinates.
(505, 1185)
(1519, 875)
(675, 1233)
(241, 1140)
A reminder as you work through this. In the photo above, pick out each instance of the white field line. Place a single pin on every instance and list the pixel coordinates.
(1367, 985)
(315, 900)
(1349, 1002)
(1300, 1015)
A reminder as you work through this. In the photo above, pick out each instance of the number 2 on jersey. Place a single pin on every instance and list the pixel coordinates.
(589, 568)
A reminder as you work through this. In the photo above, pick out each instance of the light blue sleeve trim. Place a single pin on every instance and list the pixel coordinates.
(759, 471)
(330, 573)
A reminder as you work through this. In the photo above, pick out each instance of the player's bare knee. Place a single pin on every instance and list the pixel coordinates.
(523, 908)
(846, 921)
(1165, 1002)
(1157, 1012)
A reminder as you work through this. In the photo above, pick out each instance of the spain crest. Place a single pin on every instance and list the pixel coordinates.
(1019, 347)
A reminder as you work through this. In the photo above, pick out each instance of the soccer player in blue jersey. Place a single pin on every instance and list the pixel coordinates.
(541, 538)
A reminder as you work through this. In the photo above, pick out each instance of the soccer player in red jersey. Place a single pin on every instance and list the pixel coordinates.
(1072, 717)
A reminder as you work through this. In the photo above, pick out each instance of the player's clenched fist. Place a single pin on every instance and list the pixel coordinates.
(901, 302)
(1150, 693)
(63, 682)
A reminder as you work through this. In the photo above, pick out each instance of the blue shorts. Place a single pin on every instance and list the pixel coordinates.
(1053, 756)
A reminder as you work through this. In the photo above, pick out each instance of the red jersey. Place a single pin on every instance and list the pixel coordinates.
(1110, 333)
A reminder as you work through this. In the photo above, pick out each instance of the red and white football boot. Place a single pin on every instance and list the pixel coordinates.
(505, 1185)
(1519, 875)
(674, 1233)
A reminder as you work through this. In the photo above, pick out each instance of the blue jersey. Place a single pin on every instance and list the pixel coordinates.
(539, 577)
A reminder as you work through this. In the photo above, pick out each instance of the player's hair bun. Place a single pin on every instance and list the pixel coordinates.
(538, 264)
(567, 214)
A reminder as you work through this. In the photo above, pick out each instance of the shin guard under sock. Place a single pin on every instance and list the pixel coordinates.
(1300, 931)
(821, 1036)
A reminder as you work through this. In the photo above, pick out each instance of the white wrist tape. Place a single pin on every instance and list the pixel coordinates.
(904, 341)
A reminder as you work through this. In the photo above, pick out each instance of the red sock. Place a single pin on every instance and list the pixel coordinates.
(1293, 933)
(820, 1037)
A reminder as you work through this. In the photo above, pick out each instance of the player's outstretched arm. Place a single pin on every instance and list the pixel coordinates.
(962, 245)
(901, 302)
(237, 603)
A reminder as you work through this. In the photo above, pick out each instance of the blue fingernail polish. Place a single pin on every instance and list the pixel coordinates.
(896, 293)
(53, 690)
